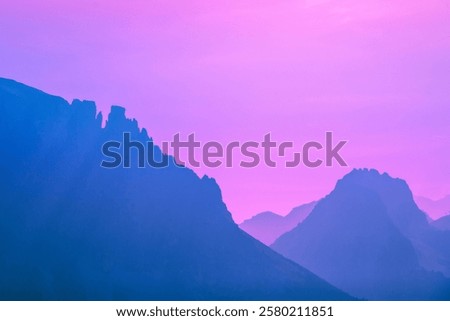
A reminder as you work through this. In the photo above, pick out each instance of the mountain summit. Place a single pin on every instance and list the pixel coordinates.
(369, 238)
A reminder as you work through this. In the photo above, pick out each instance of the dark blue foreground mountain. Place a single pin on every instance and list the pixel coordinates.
(71, 230)
(369, 238)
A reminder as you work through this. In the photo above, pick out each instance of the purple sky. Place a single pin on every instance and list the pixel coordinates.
(376, 73)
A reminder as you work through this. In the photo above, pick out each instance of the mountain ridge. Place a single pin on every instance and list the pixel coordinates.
(268, 226)
(72, 230)
(434, 208)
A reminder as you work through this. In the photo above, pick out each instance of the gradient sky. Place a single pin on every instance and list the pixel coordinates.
(376, 73)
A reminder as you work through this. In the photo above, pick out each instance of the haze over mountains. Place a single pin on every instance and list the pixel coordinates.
(71, 230)
(268, 226)
(434, 208)
(369, 238)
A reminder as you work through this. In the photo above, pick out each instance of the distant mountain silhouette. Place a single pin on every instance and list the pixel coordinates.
(71, 230)
(268, 226)
(432, 246)
(443, 223)
(434, 208)
(369, 238)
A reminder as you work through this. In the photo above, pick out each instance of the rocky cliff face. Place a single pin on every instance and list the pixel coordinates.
(73, 230)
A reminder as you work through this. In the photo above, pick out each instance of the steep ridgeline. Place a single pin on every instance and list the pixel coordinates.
(434, 208)
(71, 230)
(369, 238)
(268, 226)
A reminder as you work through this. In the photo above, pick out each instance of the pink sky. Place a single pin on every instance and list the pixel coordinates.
(376, 73)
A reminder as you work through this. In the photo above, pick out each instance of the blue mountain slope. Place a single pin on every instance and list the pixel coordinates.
(71, 230)
(364, 237)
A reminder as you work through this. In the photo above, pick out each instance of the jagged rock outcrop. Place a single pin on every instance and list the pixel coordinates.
(72, 230)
